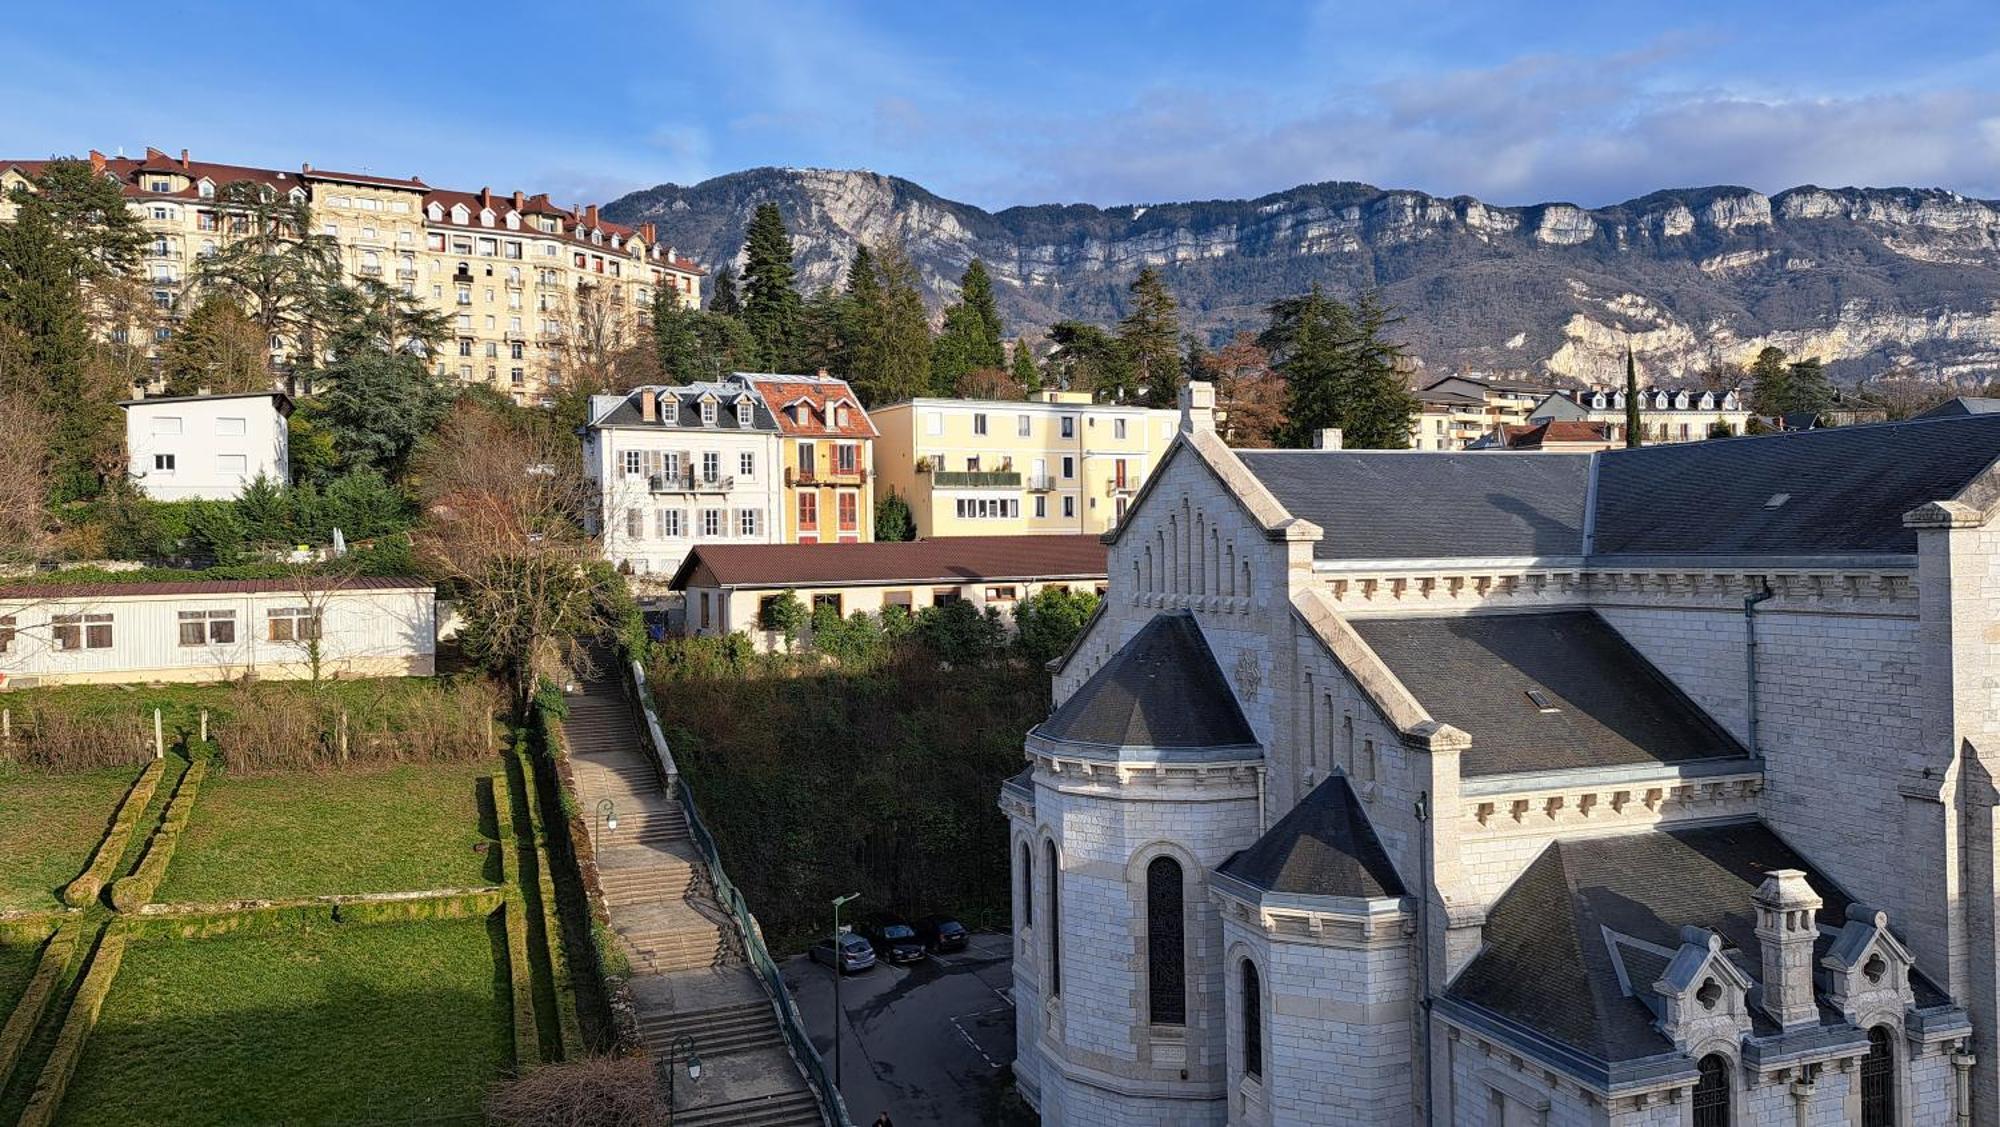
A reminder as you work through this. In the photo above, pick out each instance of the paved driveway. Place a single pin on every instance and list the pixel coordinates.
(928, 1043)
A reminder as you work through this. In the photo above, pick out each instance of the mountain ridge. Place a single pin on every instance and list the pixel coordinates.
(1867, 278)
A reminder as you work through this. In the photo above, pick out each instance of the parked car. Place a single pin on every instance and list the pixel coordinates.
(855, 953)
(942, 933)
(894, 940)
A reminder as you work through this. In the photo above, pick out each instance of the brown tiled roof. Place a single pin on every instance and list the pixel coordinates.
(947, 559)
(820, 392)
(1555, 430)
(79, 591)
(414, 183)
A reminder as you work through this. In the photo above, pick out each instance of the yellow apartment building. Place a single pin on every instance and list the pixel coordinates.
(528, 288)
(826, 444)
(1055, 463)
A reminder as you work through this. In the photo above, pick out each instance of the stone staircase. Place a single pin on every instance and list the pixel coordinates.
(689, 978)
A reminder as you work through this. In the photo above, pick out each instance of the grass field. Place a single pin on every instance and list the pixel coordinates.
(379, 830)
(49, 824)
(392, 1023)
(17, 966)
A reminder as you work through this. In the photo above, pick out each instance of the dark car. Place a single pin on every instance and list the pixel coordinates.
(942, 933)
(894, 940)
(855, 953)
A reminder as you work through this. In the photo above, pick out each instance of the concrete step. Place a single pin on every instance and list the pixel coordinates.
(715, 1032)
(792, 1109)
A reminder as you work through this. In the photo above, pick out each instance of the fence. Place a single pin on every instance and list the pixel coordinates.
(831, 1106)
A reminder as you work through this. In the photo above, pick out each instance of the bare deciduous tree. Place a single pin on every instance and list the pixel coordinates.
(24, 522)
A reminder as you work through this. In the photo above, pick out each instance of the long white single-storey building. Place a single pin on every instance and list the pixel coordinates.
(216, 630)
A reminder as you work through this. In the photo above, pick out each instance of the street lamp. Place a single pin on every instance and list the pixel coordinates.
(608, 815)
(682, 1046)
(839, 972)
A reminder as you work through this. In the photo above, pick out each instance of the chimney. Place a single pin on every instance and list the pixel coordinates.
(486, 198)
(1787, 927)
(96, 162)
(590, 215)
(649, 405)
(305, 167)
(520, 201)
(184, 158)
(1327, 438)
(1198, 406)
(646, 232)
(822, 373)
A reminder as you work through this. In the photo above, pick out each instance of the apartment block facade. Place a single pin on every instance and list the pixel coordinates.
(1055, 464)
(528, 287)
(826, 443)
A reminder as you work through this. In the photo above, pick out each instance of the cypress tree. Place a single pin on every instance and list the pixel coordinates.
(771, 307)
(1150, 336)
(1632, 424)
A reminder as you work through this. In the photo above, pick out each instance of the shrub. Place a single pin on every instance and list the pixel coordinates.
(958, 634)
(51, 739)
(592, 1092)
(270, 728)
(41, 990)
(1049, 621)
(133, 892)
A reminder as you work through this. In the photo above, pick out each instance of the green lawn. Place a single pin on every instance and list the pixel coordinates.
(17, 965)
(377, 830)
(391, 1023)
(49, 825)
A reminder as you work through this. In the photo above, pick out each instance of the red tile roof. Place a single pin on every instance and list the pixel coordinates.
(816, 395)
(1550, 431)
(195, 587)
(947, 559)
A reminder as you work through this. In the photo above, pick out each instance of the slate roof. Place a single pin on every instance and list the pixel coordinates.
(1161, 690)
(1611, 707)
(1843, 489)
(627, 413)
(1324, 847)
(1548, 964)
(1961, 405)
(946, 559)
(1378, 505)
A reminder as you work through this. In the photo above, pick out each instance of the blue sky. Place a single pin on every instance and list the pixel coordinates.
(1034, 101)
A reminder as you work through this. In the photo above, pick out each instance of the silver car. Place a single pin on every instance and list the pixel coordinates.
(855, 953)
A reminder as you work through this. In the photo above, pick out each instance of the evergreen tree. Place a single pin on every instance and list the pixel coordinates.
(722, 296)
(1807, 389)
(1340, 372)
(219, 348)
(1770, 382)
(1633, 427)
(971, 339)
(861, 326)
(698, 344)
(905, 346)
(893, 519)
(277, 267)
(1150, 337)
(822, 331)
(771, 307)
(382, 402)
(1086, 358)
(1025, 373)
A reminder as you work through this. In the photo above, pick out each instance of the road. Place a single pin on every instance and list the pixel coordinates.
(928, 1043)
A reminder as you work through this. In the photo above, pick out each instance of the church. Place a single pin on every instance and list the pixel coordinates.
(1643, 787)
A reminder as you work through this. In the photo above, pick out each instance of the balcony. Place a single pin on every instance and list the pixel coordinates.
(1041, 483)
(690, 483)
(975, 479)
(797, 476)
(406, 273)
(1114, 487)
(368, 271)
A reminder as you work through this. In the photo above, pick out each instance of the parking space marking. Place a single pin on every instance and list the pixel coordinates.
(970, 1040)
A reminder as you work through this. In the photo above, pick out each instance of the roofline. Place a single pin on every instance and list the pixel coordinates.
(1720, 561)
(1239, 484)
(1257, 896)
(283, 398)
(1393, 700)
(1141, 755)
(940, 401)
(795, 584)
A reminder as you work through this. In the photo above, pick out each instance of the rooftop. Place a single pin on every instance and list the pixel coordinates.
(76, 592)
(1162, 689)
(949, 559)
(1324, 847)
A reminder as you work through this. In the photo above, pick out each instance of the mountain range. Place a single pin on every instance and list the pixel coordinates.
(1868, 279)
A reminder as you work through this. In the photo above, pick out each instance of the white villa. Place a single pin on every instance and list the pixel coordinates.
(207, 447)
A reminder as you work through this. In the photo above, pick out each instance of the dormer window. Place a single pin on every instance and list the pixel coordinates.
(840, 415)
(436, 213)
(206, 189)
(708, 412)
(461, 214)
(513, 221)
(743, 414)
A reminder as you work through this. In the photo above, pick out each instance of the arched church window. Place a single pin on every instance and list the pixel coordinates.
(1711, 1092)
(1166, 944)
(1027, 887)
(1054, 884)
(1253, 1023)
(1878, 1080)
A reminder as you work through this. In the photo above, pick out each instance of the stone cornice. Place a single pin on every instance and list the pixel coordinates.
(1079, 774)
(1326, 921)
(1888, 586)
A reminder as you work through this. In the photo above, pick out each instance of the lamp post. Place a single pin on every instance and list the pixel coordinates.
(839, 972)
(608, 815)
(683, 1047)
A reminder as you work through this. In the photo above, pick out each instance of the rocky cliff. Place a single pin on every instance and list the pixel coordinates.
(1869, 279)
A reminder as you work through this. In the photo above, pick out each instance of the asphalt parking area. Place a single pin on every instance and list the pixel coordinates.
(927, 1043)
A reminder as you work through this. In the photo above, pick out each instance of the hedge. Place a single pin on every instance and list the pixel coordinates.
(54, 1082)
(527, 1035)
(85, 888)
(567, 1020)
(305, 915)
(129, 893)
(41, 990)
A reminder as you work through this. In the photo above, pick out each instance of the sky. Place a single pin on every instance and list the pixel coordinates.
(1033, 101)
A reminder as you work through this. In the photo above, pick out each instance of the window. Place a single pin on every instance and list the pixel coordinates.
(849, 509)
(294, 624)
(167, 424)
(808, 511)
(228, 427)
(900, 599)
(1069, 508)
(807, 460)
(163, 463)
(933, 423)
(517, 350)
(1166, 944)
(236, 465)
(711, 466)
(1878, 1080)
(711, 522)
(945, 596)
(635, 524)
(704, 610)
(1711, 1092)
(672, 522)
(743, 414)
(708, 412)
(1069, 467)
(632, 461)
(1041, 505)
(1023, 425)
(1027, 887)
(1118, 428)
(847, 457)
(1054, 884)
(829, 600)
(979, 422)
(746, 464)
(208, 627)
(1002, 594)
(1253, 1023)
(1069, 426)
(746, 522)
(6, 633)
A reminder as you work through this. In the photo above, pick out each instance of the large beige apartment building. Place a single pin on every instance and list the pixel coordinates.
(1057, 463)
(528, 287)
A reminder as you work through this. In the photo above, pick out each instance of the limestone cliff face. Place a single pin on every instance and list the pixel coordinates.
(1865, 278)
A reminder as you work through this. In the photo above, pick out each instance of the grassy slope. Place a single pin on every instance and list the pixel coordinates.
(391, 1023)
(400, 828)
(17, 965)
(49, 825)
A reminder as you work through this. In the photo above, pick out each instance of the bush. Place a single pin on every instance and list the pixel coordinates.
(54, 740)
(266, 728)
(958, 634)
(133, 892)
(593, 1092)
(1049, 621)
(41, 990)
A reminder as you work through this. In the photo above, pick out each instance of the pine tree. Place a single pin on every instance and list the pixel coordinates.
(861, 327)
(42, 306)
(722, 296)
(771, 307)
(1770, 382)
(1025, 373)
(1150, 337)
(1340, 371)
(1808, 390)
(822, 331)
(971, 339)
(279, 269)
(904, 348)
(699, 344)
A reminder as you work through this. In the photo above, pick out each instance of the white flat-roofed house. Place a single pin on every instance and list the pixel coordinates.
(207, 447)
(216, 630)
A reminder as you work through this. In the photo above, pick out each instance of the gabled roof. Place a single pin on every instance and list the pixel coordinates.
(820, 393)
(1162, 689)
(947, 559)
(1961, 405)
(1601, 703)
(1405, 505)
(685, 402)
(1324, 847)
